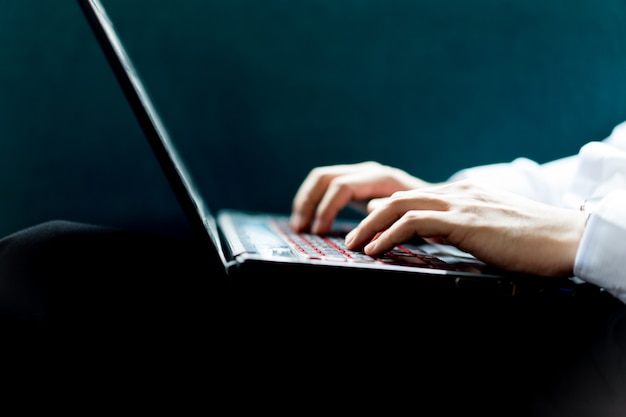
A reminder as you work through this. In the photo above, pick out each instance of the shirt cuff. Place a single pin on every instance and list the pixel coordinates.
(600, 259)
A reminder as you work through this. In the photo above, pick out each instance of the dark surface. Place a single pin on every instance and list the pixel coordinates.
(140, 320)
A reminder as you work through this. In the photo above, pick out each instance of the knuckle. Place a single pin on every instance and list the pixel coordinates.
(339, 184)
(398, 196)
(371, 164)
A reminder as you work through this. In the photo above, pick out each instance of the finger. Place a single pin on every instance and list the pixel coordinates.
(340, 192)
(388, 211)
(374, 203)
(309, 195)
(367, 183)
(421, 223)
(314, 187)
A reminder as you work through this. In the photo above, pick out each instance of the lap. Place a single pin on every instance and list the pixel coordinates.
(59, 276)
(148, 292)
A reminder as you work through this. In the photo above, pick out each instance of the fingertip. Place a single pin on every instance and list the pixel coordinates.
(375, 247)
(349, 238)
(317, 227)
(296, 222)
(370, 248)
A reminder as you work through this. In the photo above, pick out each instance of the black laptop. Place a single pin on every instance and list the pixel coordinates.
(254, 246)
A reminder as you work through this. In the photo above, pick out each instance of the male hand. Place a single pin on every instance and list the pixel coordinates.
(327, 190)
(499, 228)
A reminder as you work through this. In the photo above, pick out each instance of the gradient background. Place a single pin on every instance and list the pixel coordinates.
(258, 92)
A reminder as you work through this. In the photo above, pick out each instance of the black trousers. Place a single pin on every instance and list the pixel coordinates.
(61, 275)
(139, 305)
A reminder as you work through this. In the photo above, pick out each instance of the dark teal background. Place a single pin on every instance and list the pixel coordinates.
(259, 92)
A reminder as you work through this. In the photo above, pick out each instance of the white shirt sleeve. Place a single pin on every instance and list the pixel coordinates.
(597, 172)
(601, 256)
(542, 182)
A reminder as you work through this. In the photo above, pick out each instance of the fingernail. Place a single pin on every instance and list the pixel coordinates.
(370, 247)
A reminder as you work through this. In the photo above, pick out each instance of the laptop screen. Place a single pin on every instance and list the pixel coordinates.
(192, 203)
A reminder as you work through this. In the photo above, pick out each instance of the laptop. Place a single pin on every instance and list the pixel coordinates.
(254, 246)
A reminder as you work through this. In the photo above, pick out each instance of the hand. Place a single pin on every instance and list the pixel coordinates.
(327, 190)
(499, 228)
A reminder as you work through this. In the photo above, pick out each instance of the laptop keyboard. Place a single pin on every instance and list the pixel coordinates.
(332, 247)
